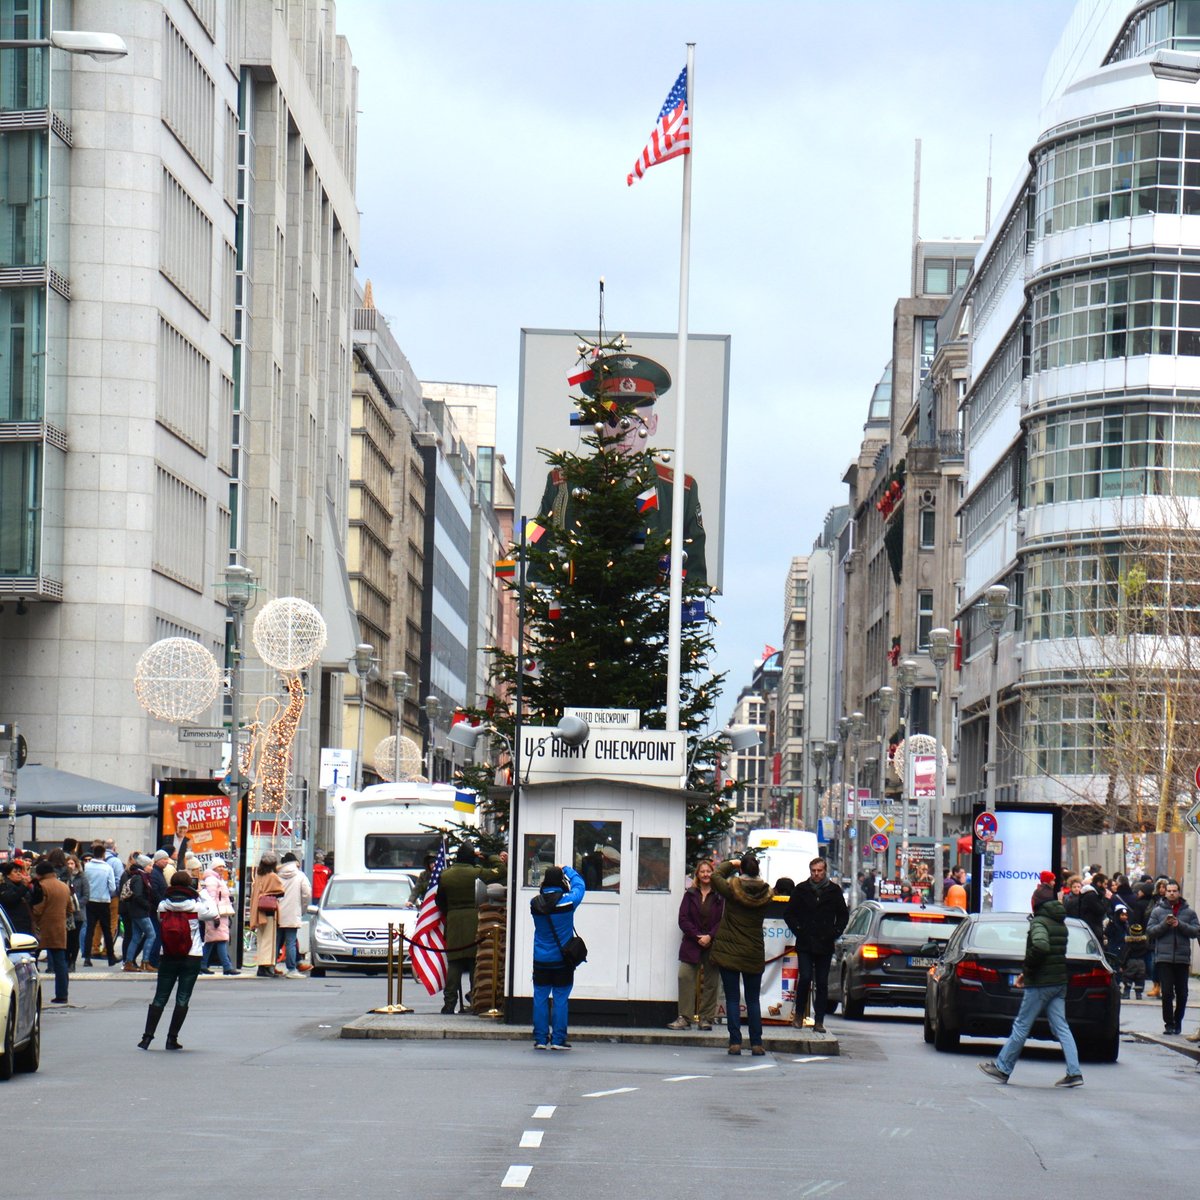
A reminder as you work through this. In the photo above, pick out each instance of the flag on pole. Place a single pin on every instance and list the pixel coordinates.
(533, 531)
(427, 947)
(464, 800)
(671, 136)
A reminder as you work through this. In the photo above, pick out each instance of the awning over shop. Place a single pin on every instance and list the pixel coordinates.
(47, 792)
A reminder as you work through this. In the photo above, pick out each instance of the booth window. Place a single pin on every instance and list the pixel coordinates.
(539, 854)
(598, 854)
(654, 864)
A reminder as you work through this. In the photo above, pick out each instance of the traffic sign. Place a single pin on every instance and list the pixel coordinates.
(995, 847)
(1192, 817)
(1197, 779)
(882, 824)
(198, 733)
(986, 826)
(879, 842)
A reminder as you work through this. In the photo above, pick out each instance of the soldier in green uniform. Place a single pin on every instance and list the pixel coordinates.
(637, 380)
(456, 898)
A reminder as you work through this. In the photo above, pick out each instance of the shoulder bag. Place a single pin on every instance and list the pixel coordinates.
(575, 952)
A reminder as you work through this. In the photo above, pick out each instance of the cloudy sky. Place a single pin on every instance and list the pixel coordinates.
(494, 142)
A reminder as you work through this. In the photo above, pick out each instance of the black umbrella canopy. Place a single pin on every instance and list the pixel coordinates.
(48, 792)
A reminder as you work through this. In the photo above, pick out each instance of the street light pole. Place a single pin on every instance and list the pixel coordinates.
(996, 601)
(400, 693)
(817, 750)
(939, 652)
(841, 803)
(365, 666)
(850, 823)
(906, 675)
(886, 696)
(432, 707)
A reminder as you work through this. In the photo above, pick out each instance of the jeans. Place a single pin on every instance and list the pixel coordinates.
(813, 968)
(154, 954)
(1053, 1001)
(58, 963)
(1173, 980)
(141, 937)
(222, 952)
(287, 939)
(542, 995)
(184, 971)
(751, 984)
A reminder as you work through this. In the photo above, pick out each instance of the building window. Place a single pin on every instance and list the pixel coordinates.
(188, 98)
(179, 529)
(186, 249)
(183, 378)
(938, 272)
(928, 528)
(924, 618)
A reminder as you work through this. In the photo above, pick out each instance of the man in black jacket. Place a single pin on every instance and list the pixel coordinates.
(816, 914)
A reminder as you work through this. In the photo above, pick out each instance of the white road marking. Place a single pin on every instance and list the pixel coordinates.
(822, 1187)
(531, 1139)
(898, 1132)
(544, 1112)
(756, 1067)
(611, 1092)
(682, 1078)
(813, 1058)
(516, 1177)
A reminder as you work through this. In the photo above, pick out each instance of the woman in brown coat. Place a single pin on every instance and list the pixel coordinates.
(51, 902)
(738, 948)
(263, 913)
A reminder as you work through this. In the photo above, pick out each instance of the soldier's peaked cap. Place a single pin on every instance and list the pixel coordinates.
(632, 377)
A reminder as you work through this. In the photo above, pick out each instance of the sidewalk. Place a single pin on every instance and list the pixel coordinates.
(1142, 1019)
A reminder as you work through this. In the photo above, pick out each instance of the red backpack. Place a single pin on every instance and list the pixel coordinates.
(176, 930)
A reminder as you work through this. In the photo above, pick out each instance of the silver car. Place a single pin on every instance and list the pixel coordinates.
(350, 925)
(20, 1002)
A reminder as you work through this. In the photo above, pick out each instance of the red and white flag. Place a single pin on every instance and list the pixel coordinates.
(671, 136)
(578, 375)
(427, 946)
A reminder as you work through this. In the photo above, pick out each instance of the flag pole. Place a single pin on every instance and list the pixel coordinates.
(678, 489)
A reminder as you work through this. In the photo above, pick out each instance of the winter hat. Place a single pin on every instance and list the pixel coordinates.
(160, 855)
(193, 864)
(553, 878)
(143, 860)
(1042, 893)
(218, 862)
(466, 853)
(1048, 878)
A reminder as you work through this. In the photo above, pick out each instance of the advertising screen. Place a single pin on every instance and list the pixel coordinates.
(1030, 838)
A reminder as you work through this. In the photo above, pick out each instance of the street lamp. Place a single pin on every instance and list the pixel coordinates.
(939, 652)
(365, 667)
(886, 696)
(399, 694)
(817, 750)
(103, 47)
(906, 676)
(996, 611)
(850, 823)
(431, 706)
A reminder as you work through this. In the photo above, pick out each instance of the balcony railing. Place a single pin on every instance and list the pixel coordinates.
(947, 442)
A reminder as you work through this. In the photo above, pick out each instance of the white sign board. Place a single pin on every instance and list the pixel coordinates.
(337, 768)
(922, 776)
(607, 718)
(649, 756)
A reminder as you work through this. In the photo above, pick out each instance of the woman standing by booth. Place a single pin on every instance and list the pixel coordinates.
(738, 948)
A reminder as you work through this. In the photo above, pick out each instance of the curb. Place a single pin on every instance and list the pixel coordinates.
(1187, 1049)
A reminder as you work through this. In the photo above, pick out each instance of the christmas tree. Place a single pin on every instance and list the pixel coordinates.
(596, 583)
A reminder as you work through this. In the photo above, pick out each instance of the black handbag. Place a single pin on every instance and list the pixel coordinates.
(574, 952)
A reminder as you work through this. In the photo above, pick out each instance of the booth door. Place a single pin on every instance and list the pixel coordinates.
(600, 842)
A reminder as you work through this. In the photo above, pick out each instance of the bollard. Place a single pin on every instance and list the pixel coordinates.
(395, 969)
(494, 1013)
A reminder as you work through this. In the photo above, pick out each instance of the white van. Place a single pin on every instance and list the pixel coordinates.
(784, 853)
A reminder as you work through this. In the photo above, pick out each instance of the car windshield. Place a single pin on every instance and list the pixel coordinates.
(398, 851)
(1008, 937)
(918, 926)
(367, 893)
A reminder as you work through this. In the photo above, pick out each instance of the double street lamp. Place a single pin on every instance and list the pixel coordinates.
(996, 611)
(364, 665)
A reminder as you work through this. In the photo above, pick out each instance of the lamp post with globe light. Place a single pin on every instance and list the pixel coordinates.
(364, 666)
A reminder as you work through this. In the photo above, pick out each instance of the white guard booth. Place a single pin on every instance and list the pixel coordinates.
(612, 809)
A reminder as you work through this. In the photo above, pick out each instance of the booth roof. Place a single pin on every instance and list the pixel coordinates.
(48, 792)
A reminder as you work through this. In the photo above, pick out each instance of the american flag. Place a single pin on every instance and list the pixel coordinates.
(671, 136)
(428, 942)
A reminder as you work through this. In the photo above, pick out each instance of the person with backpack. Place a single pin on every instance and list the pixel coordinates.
(181, 916)
(553, 912)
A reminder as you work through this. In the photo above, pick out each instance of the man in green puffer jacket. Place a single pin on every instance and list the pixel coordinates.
(1044, 980)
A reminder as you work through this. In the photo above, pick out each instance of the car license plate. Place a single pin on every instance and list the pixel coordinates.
(917, 960)
(368, 951)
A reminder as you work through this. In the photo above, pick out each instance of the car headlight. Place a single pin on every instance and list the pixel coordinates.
(324, 932)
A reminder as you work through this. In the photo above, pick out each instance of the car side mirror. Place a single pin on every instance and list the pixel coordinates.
(932, 950)
(24, 943)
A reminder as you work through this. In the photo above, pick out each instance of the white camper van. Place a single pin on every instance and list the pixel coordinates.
(784, 852)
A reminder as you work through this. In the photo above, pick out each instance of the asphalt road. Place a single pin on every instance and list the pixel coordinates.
(267, 1097)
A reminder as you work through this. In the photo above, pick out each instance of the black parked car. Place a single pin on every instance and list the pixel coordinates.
(885, 953)
(970, 990)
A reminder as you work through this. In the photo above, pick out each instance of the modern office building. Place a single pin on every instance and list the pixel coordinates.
(790, 718)
(177, 239)
(1082, 420)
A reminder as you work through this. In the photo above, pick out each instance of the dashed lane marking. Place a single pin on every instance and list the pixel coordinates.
(610, 1092)
(516, 1177)
(813, 1058)
(683, 1078)
(822, 1187)
(544, 1112)
(531, 1139)
(756, 1067)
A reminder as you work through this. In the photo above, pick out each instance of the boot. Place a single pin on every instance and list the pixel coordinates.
(265, 973)
(178, 1016)
(153, 1016)
(1153, 990)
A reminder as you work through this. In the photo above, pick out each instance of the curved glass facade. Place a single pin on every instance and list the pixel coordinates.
(1172, 25)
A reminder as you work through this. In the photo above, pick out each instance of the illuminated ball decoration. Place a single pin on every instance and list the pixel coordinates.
(289, 634)
(176, 679)
(918, 743)
(399, 762)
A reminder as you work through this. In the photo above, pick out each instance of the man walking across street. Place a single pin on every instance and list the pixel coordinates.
(1044, 981)
(1173, 926)
(816, 915)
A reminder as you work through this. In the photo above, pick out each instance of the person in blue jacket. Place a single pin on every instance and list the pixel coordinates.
(553, 910)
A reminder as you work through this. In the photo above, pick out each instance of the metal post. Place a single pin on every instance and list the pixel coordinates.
(996, 600)
(907, 675)
(514, 803)
(939, 652)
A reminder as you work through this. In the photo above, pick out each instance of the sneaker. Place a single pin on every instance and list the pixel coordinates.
(993, 1072)
(1070, 1081)
(560, 1046)
(293, 975)
(680, 1023)
(207, 971)
(231, 972)
(818, 1027)
(540, 1046)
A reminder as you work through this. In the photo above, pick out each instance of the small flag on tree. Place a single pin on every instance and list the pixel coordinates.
(506, 568)
(464, 801)
(533, 531)
(533, 668)
(671, 136)
(578, 374)
(553, 608)
(693, 612)
(647, 500)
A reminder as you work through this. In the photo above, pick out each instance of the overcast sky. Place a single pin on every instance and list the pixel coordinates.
(493, 144)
